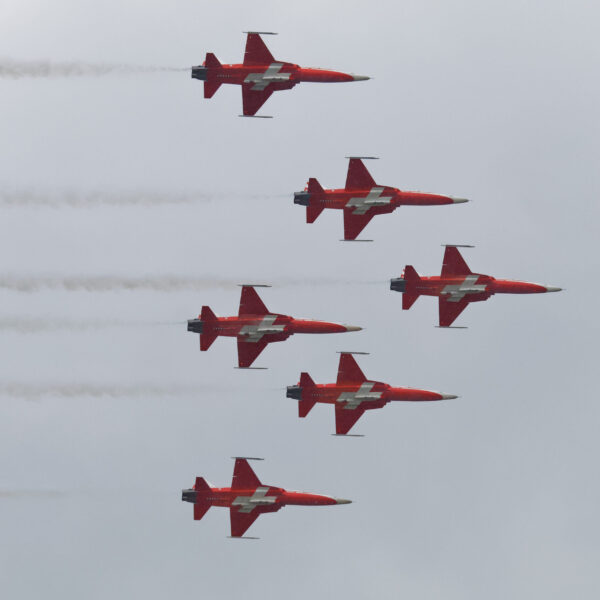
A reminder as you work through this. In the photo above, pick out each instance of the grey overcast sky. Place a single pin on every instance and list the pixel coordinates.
(107, 407)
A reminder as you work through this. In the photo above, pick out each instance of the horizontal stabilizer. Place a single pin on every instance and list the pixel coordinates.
(305, 406)
(312, 212)
(211, 61)
(408, 300)
(200, 509)
(202, 503)
(210, 88)
(201, 486)
(208, 335)
(306, 381)
(314, 187)
(410, 274)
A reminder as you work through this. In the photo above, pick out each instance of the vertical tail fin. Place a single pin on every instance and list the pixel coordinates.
(211, 85)
(202, 503)
(409, 297)
(208, 335)
(305, 405)
(315, 208)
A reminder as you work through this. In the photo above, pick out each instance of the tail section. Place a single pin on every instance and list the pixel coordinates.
(306, 403)
(208, 335)
(211, 85)
(409, 297)
(314, 209)
(202, 503)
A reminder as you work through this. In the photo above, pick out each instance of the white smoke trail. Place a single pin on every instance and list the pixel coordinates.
(18, 69)
(48, 324)
(19, 494)
(108, 283)
(160, 283)
(33, 391)
(69, 198)
(165, 283)
(28, 198)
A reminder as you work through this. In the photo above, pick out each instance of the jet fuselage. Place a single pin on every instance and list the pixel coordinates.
(475, 285)
(264, 495)
(375, 200)
(369, 394)
(272, 325)
(278, 75)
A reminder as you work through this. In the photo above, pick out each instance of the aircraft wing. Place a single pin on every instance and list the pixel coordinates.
(346, 417)
(250, 303)
(248, 351)
(253, 99)
(450, 310)
(257, 52)
(349, 371)
(241, 521)
(243, 476)
(358, 177)
(454, 263)
(354, 224)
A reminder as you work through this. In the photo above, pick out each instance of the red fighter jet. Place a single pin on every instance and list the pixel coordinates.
(255, 326)
(248, 498)
(260, 74)
(457, 286)
(353, 394)
(362, 198)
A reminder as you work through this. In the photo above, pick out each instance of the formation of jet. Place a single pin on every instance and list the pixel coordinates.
(255, 326)
(260, 74)
(248, 498)
(352, 394)
(457, 286)
(362, 198)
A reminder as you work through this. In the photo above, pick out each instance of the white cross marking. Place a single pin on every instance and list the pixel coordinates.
(458, 292)
(254, 333)
(272, 74)
(362, 394)
(373, 198)
(249, 503)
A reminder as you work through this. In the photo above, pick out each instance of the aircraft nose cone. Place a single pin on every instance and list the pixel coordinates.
(459, 200)
(352, 328)
(448, 396)
(360, 77)
(342, 501)
(549, 288)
